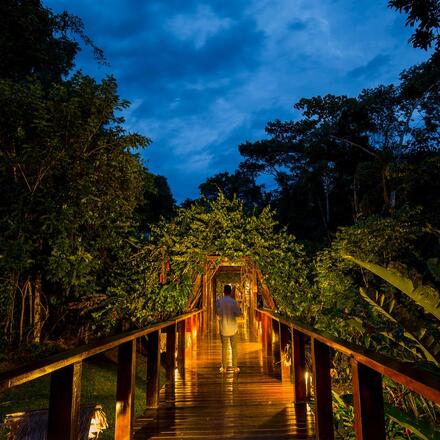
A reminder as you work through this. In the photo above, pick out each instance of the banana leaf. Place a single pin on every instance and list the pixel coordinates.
(428, 345)
(420, 428)
(425, 296)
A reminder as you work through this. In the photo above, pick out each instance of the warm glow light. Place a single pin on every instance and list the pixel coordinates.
(308, 378)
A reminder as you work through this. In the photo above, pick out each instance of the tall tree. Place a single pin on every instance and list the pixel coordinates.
(36, 42)
(72, 189)
(425, 15)
(240, 184)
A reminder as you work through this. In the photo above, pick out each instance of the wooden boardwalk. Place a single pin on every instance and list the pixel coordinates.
(202, 403)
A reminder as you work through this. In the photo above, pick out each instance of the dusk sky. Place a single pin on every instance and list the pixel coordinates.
(204, 77)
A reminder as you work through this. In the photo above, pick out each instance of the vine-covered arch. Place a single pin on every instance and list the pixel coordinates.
(249, 286)
(190, 248)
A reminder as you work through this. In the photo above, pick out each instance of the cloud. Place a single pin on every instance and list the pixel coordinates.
(199, 26)
(204, 77)
(371, 69)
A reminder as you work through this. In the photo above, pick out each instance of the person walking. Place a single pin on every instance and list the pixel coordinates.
(227, 310)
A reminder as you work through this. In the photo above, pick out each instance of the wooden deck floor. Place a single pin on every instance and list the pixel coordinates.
(201, 403)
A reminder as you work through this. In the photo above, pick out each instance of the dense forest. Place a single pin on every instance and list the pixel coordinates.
(349, 241)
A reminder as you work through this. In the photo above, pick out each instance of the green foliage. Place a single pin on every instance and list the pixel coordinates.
(241, 185)
(399, 423)
(378, 314)
(412, 424)
(426, 15)
(98, 386)
(75, 196)
(222, 228)
(419, 332)
(35, 41)
(350, 158)
(425, 296)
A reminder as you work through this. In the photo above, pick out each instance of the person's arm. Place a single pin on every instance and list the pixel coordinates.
(237, 310)
(217, 309)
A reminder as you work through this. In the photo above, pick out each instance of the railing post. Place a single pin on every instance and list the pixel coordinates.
(285, 341)
(153, 369)
(299, 366)
(267, 334)
(368, 403)
(276, 348)
(171, 350)
(181, 343)
(323, 391)
(65, 391)
(125, 390)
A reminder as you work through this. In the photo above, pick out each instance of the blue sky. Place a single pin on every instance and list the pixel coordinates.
(204, 77)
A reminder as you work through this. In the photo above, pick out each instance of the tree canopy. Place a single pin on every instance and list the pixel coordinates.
(74, 191)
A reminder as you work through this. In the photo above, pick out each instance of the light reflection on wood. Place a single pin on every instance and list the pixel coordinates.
(202, 403)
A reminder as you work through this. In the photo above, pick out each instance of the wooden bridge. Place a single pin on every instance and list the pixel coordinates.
(271, 398)
(199, 402)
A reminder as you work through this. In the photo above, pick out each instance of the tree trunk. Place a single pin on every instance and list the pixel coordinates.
(386, 199)
(327, 207)
(23, 306)
(37, 319)
(355, 199)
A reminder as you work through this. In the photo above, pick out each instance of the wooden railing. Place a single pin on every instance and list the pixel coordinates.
(65, 375)
(367, 371)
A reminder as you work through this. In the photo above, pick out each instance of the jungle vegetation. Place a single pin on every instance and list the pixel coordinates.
(349, 241)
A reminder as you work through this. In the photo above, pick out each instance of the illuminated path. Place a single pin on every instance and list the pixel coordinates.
(202, 403)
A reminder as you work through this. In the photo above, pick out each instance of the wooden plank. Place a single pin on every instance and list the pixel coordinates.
(323, 390)
(203, 404)
(171, 350)
(299, 367)
(285, 345)
(64, 399)
(368, 403)
(125, 387)
(153, 369)
(42, 367)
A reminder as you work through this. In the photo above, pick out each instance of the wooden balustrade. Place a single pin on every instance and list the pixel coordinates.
(65, 370)
(367, 371)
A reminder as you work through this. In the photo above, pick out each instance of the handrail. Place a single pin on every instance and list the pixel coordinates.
(414, 378)
(65, 370)
(367, 371)
(40, 368)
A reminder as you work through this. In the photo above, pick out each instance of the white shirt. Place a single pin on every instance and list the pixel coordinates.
(227, 309)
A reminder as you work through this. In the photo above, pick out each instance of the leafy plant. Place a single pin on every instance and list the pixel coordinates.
(423, 295)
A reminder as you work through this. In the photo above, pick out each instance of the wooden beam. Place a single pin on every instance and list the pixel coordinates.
(267, 335)
(64, 400)
(368, 403)
(42, 367)
(153, 369)
(299, 367)
(171, 350)
(125, 387)
(285, 343)
(181, 344)
(266, 294)
(276, 347)
(412, 377)
(323, 391)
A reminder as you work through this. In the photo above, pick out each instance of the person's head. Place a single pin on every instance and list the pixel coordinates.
(227, 290)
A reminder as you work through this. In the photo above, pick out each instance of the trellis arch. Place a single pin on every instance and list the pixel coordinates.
(254, 291)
